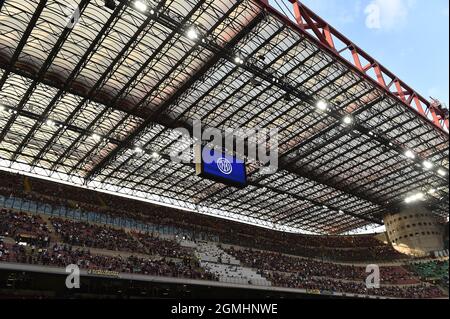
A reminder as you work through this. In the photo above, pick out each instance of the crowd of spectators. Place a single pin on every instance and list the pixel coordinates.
(378, 252)
(260, 237)
(338, 248)
(294, 272)
(157, 246)
(270, 261)
(435, 271)
(104, 237)
(167, 258)
(298, 281)
(24, 227)
(63, 255)
(4, 251)
(84, 234)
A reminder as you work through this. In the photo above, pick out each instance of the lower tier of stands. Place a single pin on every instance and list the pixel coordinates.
(293, 280)
(435, 271)
(63, 255)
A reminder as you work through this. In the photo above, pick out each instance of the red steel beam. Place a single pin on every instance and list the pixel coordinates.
(325, 36)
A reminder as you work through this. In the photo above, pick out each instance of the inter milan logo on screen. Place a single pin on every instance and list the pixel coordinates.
(224, 166)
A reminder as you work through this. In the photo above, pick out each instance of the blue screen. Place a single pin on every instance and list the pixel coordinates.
(225, 168)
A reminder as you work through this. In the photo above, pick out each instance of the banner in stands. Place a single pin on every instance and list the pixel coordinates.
(103, 273)
(313, 291)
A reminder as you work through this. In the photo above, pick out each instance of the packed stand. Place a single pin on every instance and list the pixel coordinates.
(276, 267)
(157, 246)
(293, 246)
(24, 227)
(338, 248)
(293, 272)
(433, 271)
(4, 251)
(298, 281)
(63, 255)
(276, 262)
(84, 234)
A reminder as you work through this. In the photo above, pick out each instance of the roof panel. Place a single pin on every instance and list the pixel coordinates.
(122, 79)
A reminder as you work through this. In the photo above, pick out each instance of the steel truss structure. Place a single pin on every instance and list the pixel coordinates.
(82, 85)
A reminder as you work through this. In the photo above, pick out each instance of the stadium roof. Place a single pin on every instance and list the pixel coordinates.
(80, 89)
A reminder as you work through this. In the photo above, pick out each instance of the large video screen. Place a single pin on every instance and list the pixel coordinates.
(222, 167)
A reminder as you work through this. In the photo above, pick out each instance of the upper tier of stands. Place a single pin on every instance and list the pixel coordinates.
(340, 248)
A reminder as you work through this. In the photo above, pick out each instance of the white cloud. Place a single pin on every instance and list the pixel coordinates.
(387, 14)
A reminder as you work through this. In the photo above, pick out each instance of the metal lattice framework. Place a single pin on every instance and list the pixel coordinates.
(81, 85)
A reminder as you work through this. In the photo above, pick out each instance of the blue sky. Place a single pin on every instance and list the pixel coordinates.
(409, 37)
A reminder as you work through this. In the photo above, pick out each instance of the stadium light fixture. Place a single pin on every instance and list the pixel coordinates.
(442, 172)
(414, 198)
(238, 60)
(140, 5)
(96, 137)
(155, 155)
(410, 154)
(432, 191)
(427, 165)
(50, 123)
(347, 120)
(192, 33)
(420, 196)
(322, 105)
(138, 150)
